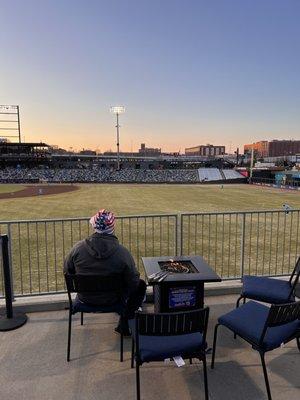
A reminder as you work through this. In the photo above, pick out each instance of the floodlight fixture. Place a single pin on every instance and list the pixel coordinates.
(117, 109)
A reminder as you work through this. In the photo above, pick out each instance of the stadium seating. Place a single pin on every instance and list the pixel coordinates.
(10, 175)
(232, 174)
(57, 175)
(209, 174)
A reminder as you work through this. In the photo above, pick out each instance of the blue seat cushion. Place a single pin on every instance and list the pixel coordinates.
(80, 306)
(266, 289)
(248, 321)
(158, 348)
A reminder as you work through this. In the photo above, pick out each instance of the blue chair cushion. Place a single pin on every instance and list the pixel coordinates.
(158, 348)
(80, 306)
(248, 321)
(266, 289)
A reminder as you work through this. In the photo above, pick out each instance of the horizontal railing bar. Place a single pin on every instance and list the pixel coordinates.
(27, 221)
(155, 215)
(35, 294)
(240, 212)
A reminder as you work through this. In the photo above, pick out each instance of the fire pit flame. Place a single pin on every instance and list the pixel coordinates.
(177, 267)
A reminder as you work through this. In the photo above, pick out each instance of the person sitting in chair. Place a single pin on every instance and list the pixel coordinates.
(102, 254)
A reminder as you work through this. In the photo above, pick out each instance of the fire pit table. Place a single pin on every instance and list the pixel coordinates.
(182, 286)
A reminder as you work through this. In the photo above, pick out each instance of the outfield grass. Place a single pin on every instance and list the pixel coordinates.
(7, 188)
(271, 240)
(146, 199)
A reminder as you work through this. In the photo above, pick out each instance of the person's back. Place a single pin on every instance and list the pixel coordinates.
(102, 254)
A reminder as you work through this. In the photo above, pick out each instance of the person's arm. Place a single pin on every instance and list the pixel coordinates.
(69, 267)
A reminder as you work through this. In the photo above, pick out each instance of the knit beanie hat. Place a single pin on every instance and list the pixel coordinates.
(103, 222)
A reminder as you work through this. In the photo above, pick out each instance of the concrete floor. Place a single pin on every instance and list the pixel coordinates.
(33, 364)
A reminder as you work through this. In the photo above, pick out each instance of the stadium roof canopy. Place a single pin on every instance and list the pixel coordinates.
(17, 144)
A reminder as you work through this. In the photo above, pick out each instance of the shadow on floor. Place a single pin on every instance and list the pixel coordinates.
(286, 365)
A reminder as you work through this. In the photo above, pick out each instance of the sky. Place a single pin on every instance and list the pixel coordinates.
(188, 72)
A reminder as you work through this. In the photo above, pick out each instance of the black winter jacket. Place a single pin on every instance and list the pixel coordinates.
(103, 255)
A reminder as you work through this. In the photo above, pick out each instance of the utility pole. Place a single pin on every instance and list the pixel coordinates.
(251, 164)
(117, 110)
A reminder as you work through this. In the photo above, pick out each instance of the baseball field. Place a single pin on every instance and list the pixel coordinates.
(130, 199)
(232, 243)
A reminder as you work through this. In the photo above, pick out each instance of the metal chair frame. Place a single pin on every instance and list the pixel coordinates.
(294, 279)
(88, 284)
(169, 324)
(279, 314)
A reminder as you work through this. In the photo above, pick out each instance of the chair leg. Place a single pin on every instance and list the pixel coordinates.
(138, 389)
(262, 356)
(298, 343)
(121, 346)
(121, 337)
(214, 346)
(238, 301)
(132, 353)
(237, 306)
(69, 336)
(81, 319)
(205, 377)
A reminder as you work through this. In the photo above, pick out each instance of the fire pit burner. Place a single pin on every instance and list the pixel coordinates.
(177, 267)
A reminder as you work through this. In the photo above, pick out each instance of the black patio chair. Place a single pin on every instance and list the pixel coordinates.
(88, 284)
(270, 290)
(156, 337)
(265, 328)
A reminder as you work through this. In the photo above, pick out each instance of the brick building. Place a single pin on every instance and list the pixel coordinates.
(261, 149)
(275, 148)
(208, 150)
(149, 151)
(279, 148)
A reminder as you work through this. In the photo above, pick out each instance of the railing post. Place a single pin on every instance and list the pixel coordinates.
(243, 244)
(176, 235)
(179, 235)
(10, 260)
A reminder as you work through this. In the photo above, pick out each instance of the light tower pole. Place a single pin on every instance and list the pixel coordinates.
(251, 163)
(117, 110)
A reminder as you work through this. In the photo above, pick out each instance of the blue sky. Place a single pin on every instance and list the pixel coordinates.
(188, 72)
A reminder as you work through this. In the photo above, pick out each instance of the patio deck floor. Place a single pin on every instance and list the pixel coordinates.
(33, 364)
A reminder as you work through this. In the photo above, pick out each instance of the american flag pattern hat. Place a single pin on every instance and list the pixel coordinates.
(103, 222)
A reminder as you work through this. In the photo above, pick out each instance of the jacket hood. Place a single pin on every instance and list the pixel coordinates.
(101, 246)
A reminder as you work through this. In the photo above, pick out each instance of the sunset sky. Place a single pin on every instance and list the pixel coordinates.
(188, 72)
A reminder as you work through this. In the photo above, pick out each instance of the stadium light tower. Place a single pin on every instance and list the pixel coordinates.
(117, 110)
(10, 121)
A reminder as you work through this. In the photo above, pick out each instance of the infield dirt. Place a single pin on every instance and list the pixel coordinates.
(38, 190)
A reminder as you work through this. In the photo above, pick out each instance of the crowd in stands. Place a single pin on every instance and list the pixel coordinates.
(97, 175)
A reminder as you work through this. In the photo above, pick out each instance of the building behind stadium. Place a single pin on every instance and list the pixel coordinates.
(274, 148)
(207, 150)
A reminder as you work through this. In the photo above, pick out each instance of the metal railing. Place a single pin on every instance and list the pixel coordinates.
(238, 243)
(38, 247)
(233, 243)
